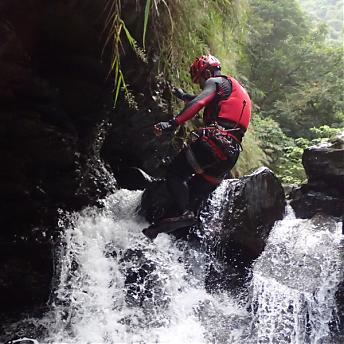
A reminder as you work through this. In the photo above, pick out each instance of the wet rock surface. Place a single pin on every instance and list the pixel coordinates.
(57, 111)
(324, 192)
(56, 102)
(338, 328)
(238, 232)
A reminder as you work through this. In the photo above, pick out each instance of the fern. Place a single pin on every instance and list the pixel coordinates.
(114, 26)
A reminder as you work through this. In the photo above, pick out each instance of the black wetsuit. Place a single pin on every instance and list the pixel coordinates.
(206, 153)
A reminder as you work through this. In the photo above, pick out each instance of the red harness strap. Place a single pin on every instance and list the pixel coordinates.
(224, 132)
(217, 150)
(198, 169)
(210, 179)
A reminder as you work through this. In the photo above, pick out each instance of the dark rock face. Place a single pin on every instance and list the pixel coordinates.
(54, 114)
(339, 330)
(25, 276)
(324, 164)
(131, 141)
(251, 206)
(57, 109)
(324, 192)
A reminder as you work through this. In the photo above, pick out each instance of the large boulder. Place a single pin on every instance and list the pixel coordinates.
(324, 165)
(240, 214)
(324, 192)
(235, 220)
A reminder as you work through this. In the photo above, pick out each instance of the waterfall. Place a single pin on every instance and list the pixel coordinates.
(113, 285)
(295, 280)
(116, 286)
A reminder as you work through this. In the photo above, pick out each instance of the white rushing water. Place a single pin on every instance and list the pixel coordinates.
(295, 280)
(113, 285)
(116, 286)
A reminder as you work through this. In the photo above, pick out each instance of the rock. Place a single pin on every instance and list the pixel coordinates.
(324, 165)
(238, 217)
(56, 104)
(22, 340)
(25, 276)
(306, 203)
(339, 325)
(338, 331)
(324, 192)
(133, 178)
(157, 202)
(252, 205)
(142, 283)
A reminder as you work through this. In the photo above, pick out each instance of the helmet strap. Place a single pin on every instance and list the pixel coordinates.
(207, 73)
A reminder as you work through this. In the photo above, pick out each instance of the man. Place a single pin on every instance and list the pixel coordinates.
(216, 147)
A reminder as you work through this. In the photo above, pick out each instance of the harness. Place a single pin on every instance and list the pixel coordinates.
(211, 134)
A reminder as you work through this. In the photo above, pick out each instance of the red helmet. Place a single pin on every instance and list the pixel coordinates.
(202, 63)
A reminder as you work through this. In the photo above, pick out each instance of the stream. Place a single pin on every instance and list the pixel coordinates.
(113, 285)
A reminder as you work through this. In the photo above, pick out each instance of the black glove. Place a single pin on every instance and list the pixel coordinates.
(165, 126)
(179, 93)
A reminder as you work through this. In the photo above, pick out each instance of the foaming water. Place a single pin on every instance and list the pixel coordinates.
(116, 286)
(295, 281)
(112, 285)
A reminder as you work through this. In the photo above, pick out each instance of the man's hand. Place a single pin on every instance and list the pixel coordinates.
(179, 93)
(182, 95)
(160, 127)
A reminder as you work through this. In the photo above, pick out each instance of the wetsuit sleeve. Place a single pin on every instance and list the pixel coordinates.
(197, 103)
(188, 97)
(180, 94)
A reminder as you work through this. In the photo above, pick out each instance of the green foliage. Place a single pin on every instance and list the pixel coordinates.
(272, 140)
(200, 27)
(324, 133)
(290, 169)
(328, 12)
(116, 28)
(252, 155)
(276, 32)
(147, 9)
(298, 77)
(318, 98)
(294, 76)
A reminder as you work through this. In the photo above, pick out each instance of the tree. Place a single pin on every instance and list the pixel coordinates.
(297, 74)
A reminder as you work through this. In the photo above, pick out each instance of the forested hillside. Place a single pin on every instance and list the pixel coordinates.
(297, 78)
(329, 12)
(292, 71)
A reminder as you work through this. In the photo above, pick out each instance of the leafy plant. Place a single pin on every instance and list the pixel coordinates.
(115, 28)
